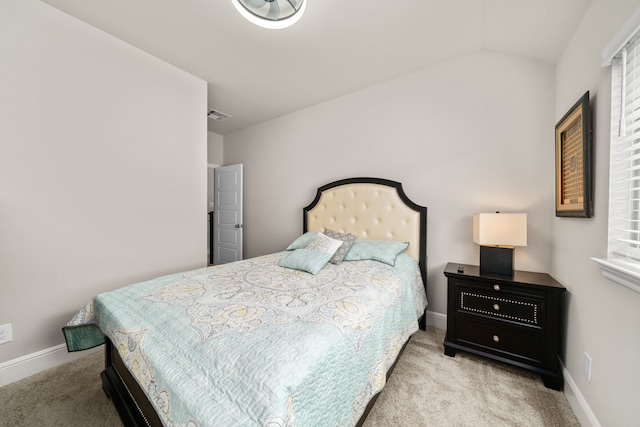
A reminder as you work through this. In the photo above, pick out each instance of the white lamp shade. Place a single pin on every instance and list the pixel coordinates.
(500, 229)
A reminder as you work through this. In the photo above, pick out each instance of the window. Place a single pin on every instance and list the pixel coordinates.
(624, 179)
(623, 259)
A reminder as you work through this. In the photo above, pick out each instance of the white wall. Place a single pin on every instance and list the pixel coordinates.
(215, 148)
(103, 153)
(471, 135)
(215, 156)
(603, 317)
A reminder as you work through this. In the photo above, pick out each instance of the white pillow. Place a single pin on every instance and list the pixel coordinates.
(325, 244)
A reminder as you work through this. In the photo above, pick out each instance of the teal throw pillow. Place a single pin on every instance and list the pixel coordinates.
(302, 241)
(312, 258)
(306, 260)
(384, 251)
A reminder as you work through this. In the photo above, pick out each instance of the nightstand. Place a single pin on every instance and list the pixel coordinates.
(512, 319)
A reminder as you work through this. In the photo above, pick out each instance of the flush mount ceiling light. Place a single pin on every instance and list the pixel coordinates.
(272, 14)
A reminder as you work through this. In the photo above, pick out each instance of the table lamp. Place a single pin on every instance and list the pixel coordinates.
(498, 234)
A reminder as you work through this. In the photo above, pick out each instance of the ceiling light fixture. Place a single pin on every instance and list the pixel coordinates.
(273, 14)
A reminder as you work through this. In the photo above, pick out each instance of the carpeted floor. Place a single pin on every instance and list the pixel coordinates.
(427, 388)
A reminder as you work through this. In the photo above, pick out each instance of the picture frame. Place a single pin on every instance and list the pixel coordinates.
(574, 197)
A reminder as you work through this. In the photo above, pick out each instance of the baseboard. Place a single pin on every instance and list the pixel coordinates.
(31, 364)
(437, 320)
(578, 403)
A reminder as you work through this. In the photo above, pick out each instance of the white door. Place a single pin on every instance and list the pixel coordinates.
(228, 214)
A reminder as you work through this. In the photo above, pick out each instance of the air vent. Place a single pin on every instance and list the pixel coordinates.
(217, 115)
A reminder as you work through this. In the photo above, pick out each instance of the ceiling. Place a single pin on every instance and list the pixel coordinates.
(339, 46)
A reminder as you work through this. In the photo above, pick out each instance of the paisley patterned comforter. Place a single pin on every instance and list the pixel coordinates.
(253, 344)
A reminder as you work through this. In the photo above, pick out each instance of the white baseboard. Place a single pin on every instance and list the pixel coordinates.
(437, 320)
(578, 403)
(31, 364)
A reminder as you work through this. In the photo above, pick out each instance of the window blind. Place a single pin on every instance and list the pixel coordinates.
(624, 191)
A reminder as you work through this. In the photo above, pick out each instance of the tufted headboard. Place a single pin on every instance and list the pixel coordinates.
(370, 208)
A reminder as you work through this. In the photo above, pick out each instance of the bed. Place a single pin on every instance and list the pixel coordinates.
(280, 342)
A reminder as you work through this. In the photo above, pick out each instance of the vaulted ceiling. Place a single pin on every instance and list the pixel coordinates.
(339, 46)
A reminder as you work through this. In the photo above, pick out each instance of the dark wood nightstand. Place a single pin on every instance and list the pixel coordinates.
(511, 319)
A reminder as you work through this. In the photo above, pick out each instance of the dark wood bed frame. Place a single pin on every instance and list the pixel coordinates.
(131, 402)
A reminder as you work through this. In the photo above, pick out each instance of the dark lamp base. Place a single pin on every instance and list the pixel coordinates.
(496, 260)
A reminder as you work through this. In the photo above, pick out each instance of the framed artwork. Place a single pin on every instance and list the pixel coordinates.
(573, 162)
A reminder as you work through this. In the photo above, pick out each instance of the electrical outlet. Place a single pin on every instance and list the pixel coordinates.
(586, 367)
(5, 333)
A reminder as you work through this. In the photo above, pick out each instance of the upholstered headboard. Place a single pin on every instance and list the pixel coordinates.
(370, 208)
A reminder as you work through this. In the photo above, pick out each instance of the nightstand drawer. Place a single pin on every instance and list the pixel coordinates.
(501, 306)
(495, 337)
(497, 287)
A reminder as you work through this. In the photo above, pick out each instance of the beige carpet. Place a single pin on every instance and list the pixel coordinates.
(427, 388)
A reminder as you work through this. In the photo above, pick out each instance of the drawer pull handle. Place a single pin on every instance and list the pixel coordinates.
(496, 338)
(496, 307)
(496, 287)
